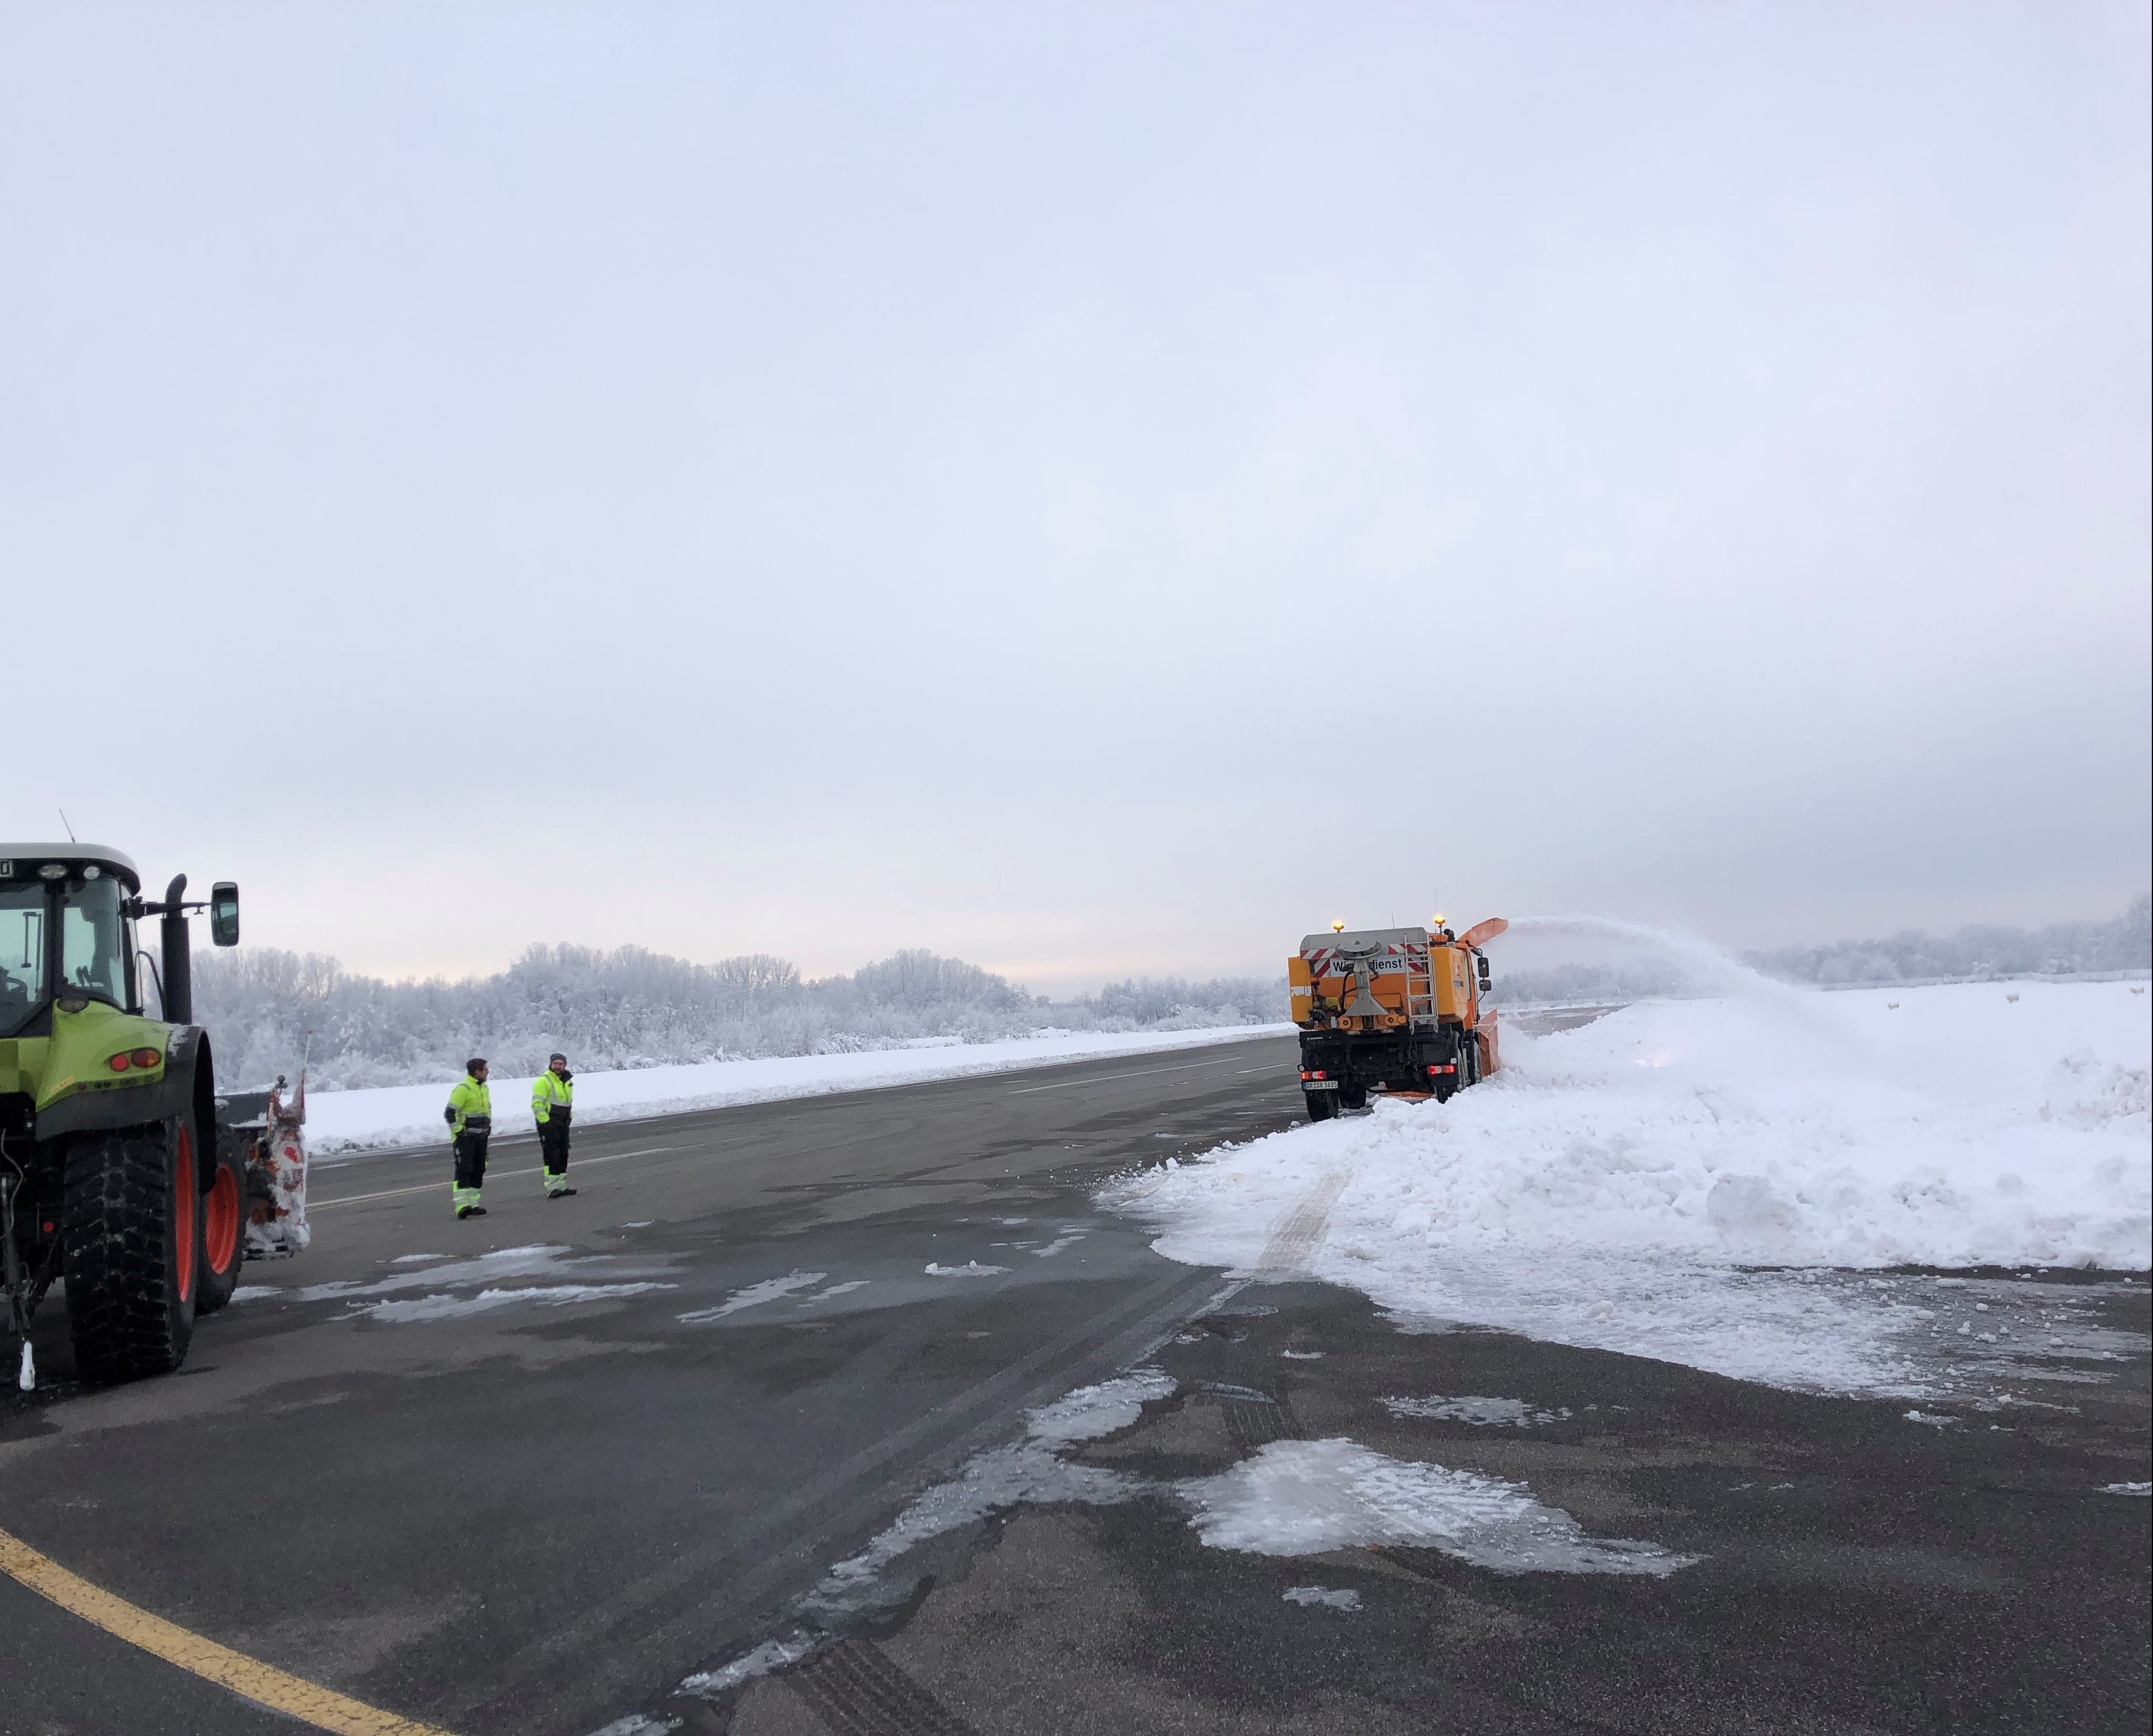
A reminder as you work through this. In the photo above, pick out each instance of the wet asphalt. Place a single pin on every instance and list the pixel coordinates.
(541, 1515)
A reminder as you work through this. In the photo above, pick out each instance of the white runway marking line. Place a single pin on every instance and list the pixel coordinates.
(1140, 1073)
(613, 1157)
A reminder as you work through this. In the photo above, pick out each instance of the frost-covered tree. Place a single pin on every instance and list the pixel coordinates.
(269, 1011)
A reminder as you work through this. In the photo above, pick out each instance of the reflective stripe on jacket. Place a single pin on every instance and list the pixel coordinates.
(550, 1090)
(470, 1098)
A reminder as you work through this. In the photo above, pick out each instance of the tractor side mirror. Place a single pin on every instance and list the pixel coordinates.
(224, 914)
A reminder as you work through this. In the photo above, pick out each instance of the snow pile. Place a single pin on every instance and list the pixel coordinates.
(347, 1121)
(1304, 1498)
(1956, 1129)
(1606, 1188)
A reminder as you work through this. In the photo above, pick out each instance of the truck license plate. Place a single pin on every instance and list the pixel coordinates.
(1319, 1085)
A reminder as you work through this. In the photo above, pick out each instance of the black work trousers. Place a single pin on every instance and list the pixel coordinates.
(553, 1144)
(470, 1160)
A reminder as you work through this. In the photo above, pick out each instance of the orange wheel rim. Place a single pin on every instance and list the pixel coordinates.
(221, 1221)
(183, 1210)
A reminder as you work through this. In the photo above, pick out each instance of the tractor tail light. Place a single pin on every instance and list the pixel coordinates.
(119, 1063)
(145, 1057)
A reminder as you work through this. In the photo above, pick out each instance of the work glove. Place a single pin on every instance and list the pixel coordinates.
(449, 1117)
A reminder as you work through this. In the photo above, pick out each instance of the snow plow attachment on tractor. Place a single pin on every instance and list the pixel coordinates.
(265, 1132)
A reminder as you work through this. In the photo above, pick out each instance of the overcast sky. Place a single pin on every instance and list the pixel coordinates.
(1088, 489)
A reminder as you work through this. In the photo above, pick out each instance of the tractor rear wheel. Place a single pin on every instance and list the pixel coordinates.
(223, 1229)
(130, 1218)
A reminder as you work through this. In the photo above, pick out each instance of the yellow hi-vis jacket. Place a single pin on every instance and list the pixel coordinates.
(471, 1097)
(547, 1090)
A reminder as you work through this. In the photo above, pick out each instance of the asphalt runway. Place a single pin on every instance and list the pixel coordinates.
(528, 1473)
(507, 1492)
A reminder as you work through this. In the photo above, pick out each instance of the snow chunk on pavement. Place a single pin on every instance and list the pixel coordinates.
(970, 1269)
(754, 1296)
(1303, 1498)
(1090, 1412)
(486, 1301)
(2127, 1488)
(770, 1655)
(1480, 1411)
(1323, 1595)
(1000, 1477)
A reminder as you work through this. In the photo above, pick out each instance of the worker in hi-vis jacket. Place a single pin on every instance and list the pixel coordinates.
(552, 1100)
(470, 1116)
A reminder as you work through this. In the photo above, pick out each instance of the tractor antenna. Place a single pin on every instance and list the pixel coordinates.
(67, 828)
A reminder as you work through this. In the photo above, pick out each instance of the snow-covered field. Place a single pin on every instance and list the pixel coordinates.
(1617, 1185)
(354, 1121)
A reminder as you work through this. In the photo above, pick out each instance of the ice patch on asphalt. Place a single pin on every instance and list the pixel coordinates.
(1322, 1596)
(480, 1284)
(536, 1259)
(754, 1296)
(1304, 1498)
(770, 1655)
(1311, 1497)
(1091, 1412)
(1617, 1185)
(1480, 1411)
(489, 1301)
(1029, 1470)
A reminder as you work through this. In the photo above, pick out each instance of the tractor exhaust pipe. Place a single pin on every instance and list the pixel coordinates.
(177, 976)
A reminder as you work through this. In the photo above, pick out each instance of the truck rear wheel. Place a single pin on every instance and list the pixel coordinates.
(129, 1219)
(1322, 1105)
(223, 1230)
(1352, 1096)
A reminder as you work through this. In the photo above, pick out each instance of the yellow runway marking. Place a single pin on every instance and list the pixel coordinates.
(309, 1701)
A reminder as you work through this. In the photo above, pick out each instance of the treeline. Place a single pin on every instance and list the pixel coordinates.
(267, 1009)
(1984, 951)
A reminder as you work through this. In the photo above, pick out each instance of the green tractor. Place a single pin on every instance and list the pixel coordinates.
(111, 1174)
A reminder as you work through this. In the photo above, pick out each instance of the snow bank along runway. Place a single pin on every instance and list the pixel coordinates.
(342, 1122)
(1731, 1184)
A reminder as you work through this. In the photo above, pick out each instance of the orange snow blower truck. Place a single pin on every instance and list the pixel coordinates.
(1396, 1010)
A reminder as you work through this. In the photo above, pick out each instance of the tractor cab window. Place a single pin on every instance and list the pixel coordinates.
(22, 952)
(94, 940)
